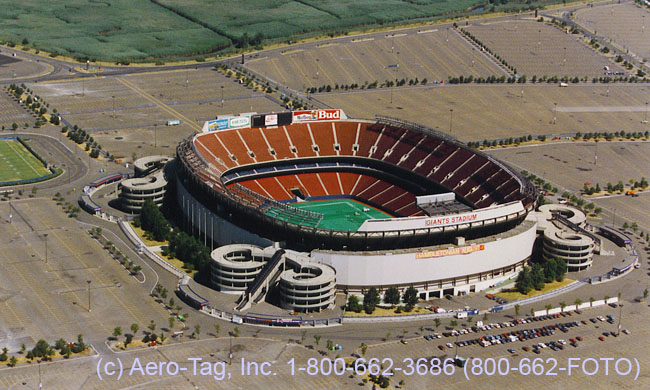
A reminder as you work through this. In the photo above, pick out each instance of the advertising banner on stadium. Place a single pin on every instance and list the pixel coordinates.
(227, 122)
(497, 212)
(318, 115)
(271, 120)
(449, 252)
(239, 121)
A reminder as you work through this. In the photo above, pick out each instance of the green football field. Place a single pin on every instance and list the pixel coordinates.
(342, 214)
(18, 163)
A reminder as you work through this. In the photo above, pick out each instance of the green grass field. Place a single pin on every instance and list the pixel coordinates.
(18, 163)
(144, 30)
(341, 214)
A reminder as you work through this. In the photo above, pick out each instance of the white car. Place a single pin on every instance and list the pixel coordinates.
(562, 342)
(626, 331)
(450, 345)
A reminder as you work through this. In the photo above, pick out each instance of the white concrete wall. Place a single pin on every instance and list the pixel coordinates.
(401, 267)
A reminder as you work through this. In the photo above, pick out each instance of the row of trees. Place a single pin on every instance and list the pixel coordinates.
(182, 246)
(44, 351)
(392, 296)
(368, 85)
(487, 49)
(610, 136)
(504, 142)
(536, 276)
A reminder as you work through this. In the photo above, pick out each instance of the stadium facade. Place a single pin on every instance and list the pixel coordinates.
(425, 210)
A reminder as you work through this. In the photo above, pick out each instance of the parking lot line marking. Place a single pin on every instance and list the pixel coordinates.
(60, 320)
(159, 103)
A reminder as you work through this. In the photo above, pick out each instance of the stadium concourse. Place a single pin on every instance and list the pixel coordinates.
(384, 202)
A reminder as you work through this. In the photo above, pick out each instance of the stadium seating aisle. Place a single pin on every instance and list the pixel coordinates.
(235, 146)
(257, 145)
(346, 134)
(300, 138)
(278, 140)
(324, 138)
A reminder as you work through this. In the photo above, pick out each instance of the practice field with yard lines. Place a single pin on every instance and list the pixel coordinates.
(18, 163)
(342, 214)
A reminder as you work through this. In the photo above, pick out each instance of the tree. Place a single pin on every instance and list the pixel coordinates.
(391, 296)
(236, 331)
(330, 345)
(13, 361)
(136, 269)
(370, 300)
(410, 298)
(217, 327)
(171, 320)
(40, 349)
(524, 281)
(437, 321)
(134, 328)
(152, 326)
(577, 302)
(317, 339)
(364, 348)
(128, 340)
(550, 270)
(117, 332)
(537, 276)
(197, 330)
(517, 308)
(353, 304)
(152, 220)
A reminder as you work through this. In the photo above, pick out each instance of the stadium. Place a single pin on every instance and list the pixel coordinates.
(383, 202)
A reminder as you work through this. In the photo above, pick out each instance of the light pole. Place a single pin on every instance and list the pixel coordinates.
(88, 281)
(45, 236)
(451, 116)
(222, 96)
(554, 112)
(113, 105)
(645, 116)
(40, 382)
(230, 352)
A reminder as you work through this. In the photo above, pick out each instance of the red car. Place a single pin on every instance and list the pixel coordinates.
(442, 347)
(578, 338)
(601, 338)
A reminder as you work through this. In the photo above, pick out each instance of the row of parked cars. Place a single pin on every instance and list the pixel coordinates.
(518, 335)
(495, 325)
(498, 300)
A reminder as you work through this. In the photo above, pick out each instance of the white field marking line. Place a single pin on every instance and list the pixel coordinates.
(427, 31)
(362, 40)
(395, 35)
(23, 158)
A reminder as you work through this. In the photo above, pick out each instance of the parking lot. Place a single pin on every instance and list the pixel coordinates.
(542, 49)
(128, 114)
(46, 262)
(623, 346)
(500, 111)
